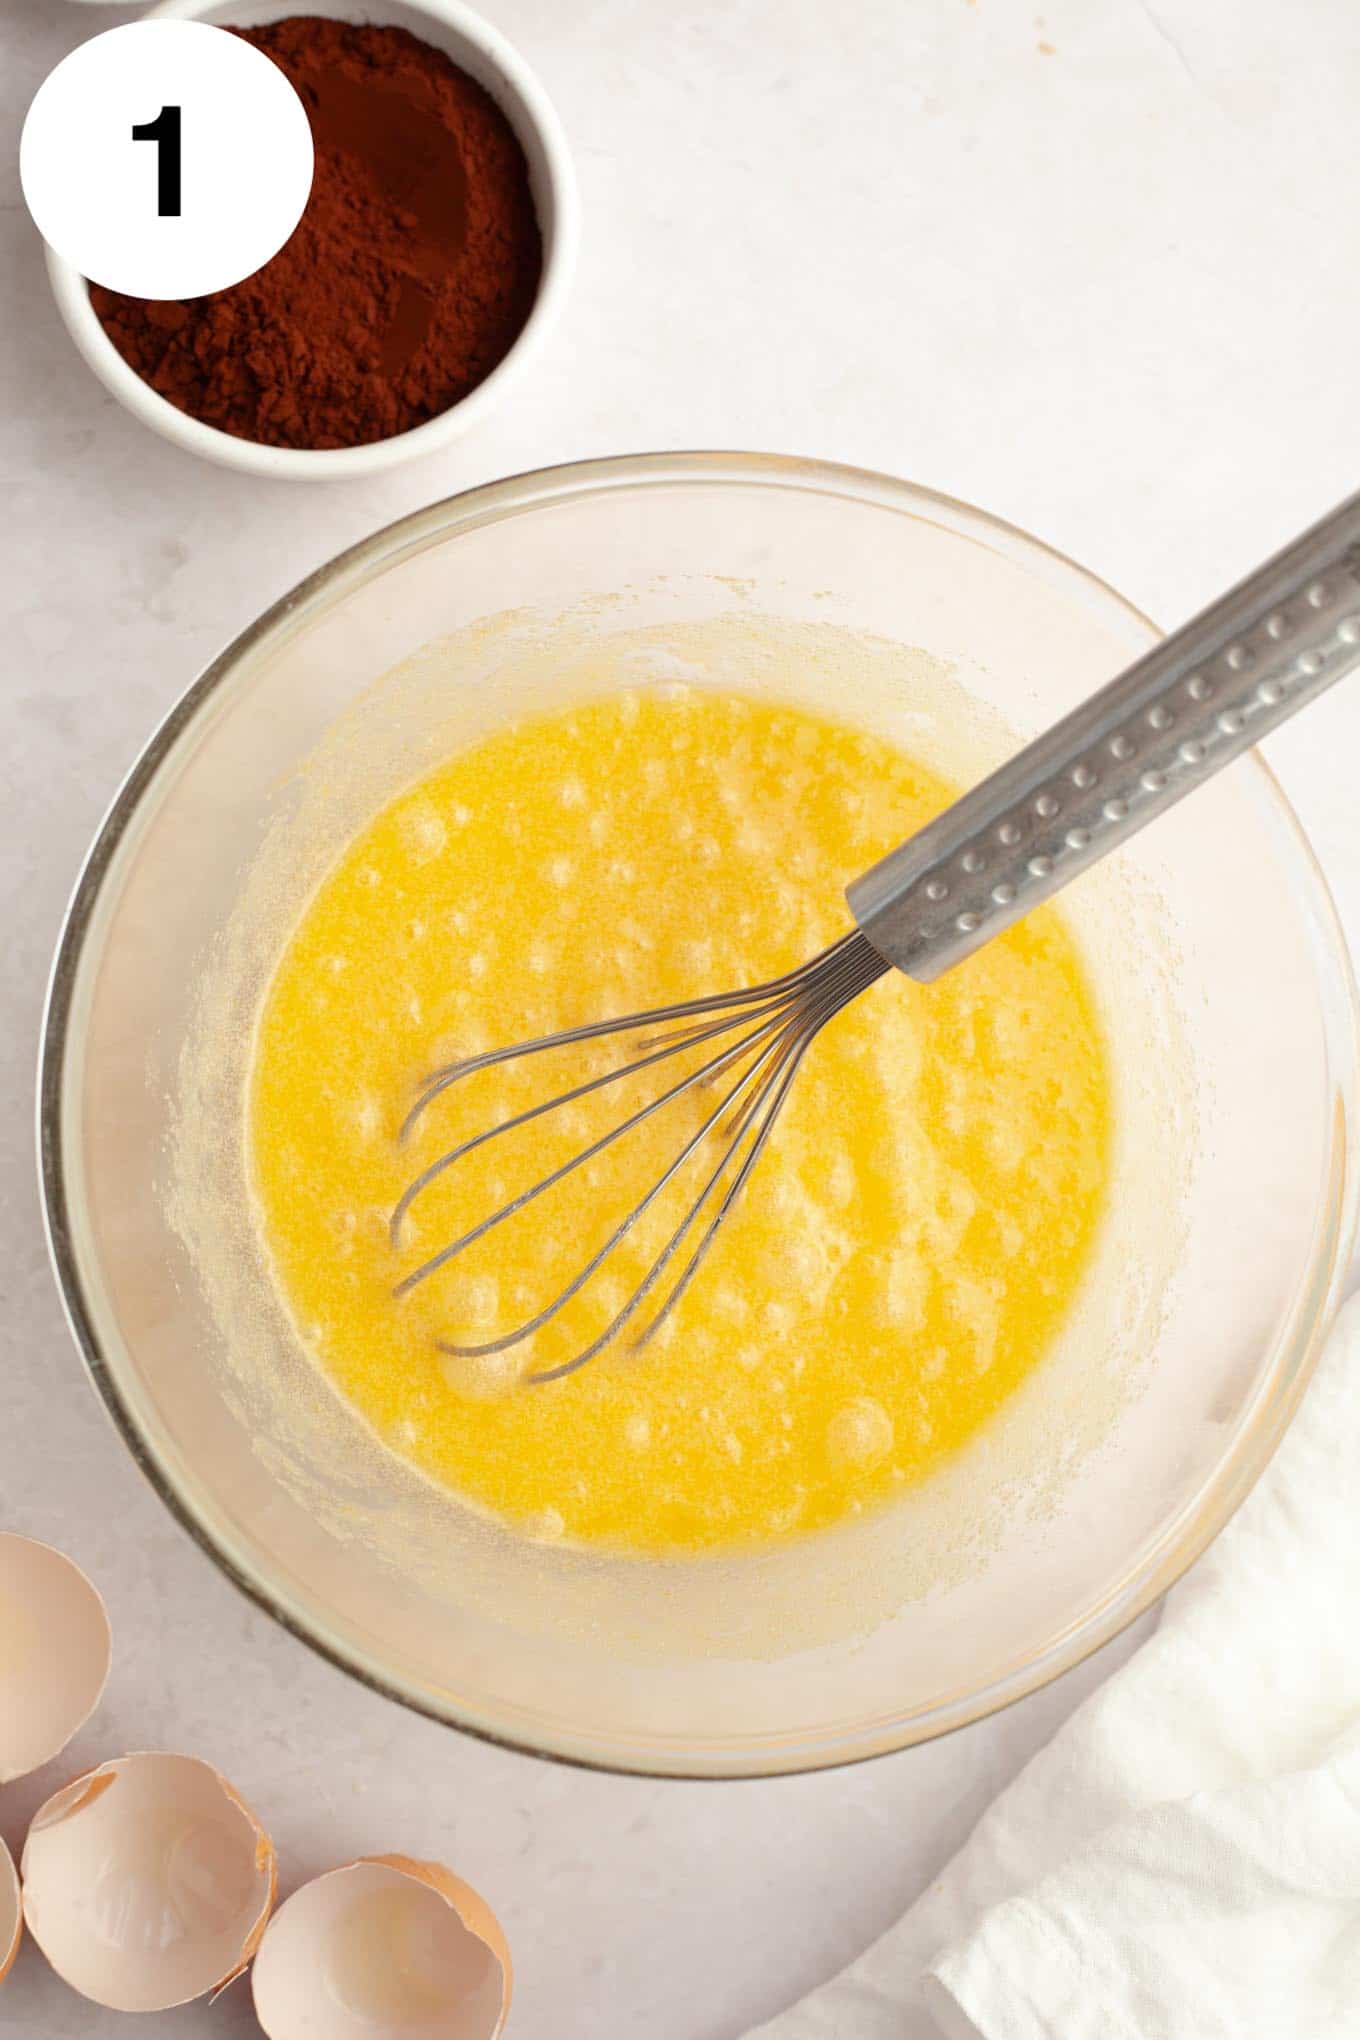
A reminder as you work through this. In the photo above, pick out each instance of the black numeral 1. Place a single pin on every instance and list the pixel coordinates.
(164, 132)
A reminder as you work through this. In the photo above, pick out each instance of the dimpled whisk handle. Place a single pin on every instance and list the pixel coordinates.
(1186, 709)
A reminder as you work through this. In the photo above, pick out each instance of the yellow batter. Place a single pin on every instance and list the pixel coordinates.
(914, 1233)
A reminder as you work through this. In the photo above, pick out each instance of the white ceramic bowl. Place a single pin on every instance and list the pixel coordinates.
(483, 52)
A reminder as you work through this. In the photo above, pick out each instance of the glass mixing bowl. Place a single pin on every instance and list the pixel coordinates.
(1228, 1001)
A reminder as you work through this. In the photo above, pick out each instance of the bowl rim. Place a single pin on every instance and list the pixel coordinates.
(1181, 1541)
(531, 112)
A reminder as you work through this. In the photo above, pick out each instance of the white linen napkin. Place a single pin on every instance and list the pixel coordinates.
(1182, 1862)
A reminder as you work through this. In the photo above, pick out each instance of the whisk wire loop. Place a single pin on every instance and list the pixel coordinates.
(625, 1226)
(778, 1021)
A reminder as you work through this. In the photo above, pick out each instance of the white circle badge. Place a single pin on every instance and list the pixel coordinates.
(166, 159)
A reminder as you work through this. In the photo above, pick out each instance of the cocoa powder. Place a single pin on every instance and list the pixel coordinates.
(408, 278)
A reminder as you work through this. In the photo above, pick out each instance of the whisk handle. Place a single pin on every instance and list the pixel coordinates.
(1156, 733)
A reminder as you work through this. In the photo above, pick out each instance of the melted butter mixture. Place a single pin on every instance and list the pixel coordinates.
(913, 1235)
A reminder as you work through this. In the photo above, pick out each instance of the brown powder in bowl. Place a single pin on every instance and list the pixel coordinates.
(408, 278)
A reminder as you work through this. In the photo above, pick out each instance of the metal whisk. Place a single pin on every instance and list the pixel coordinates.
(1153, 735)
(775, 1023)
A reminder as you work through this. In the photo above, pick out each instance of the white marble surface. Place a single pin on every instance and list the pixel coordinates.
(1095, 271)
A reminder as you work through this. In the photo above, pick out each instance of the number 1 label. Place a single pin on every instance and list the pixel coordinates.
(164, 131)
(175, 87)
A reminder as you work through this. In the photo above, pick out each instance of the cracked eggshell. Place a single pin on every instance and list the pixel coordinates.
(54, 1653)
(387, 1948)
(147, 1882)
(11, 1917)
